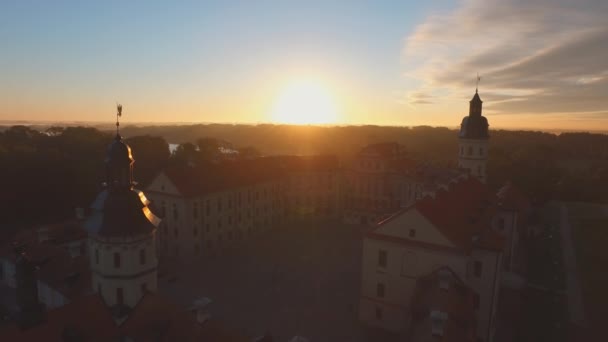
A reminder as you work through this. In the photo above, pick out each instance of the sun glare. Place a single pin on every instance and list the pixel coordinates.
(304, 102)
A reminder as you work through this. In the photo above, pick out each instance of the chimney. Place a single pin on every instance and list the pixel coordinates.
(31, 311)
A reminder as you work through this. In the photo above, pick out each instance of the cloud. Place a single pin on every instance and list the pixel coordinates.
(420, 97)
(534, 56)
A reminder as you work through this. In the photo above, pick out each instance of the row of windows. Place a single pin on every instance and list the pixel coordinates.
(117, 258)
(119, 292)
(469, 151)
(383, 259)
(371, 165)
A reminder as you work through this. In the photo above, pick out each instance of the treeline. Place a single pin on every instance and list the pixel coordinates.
(46, 173)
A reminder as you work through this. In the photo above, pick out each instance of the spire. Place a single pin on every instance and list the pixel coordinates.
(119, 161)
(118, 115)
(475, 103)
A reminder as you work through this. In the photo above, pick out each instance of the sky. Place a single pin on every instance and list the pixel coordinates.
(543, 63)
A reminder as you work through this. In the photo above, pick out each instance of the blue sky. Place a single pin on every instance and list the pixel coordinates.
(226, 61)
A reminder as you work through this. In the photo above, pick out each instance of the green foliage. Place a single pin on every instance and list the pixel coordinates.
(49, 172)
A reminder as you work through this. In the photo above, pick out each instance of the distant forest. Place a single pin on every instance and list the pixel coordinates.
(47, 172)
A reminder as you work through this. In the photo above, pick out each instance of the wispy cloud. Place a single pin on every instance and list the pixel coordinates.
(535, 56)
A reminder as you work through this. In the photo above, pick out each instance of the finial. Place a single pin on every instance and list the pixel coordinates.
(118, 115)
(477, 85)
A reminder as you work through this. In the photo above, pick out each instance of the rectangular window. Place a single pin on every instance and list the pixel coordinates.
(412, 233)
(477, 268)
(97, 256)
(119, 296)
(219, 205)
(382, 258)
(501, 224)
(208, 207)
(195, 231)
(195, 210)
(142, 256)
(117, 260)
(175, 214)
(380, 290)
(144, 288)
(378, 313)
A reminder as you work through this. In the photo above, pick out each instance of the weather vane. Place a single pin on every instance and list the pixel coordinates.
(118, 115)
(478, 79)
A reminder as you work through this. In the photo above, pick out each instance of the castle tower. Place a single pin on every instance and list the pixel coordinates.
(121, 233)
(474, 140)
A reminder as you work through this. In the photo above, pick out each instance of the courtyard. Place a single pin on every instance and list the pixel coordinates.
(302, 279)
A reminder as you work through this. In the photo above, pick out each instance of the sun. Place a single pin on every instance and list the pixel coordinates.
(304, 102)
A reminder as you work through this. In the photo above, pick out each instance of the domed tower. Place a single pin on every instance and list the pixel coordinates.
(474, 140)
(121, 233)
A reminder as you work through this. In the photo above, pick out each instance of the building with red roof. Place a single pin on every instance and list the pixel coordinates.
(453, 228)
(209, 207)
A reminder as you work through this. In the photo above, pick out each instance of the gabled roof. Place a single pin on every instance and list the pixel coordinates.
(86, 317)
(156, 319)
(442, 291)
(216, 177)
(462, 214)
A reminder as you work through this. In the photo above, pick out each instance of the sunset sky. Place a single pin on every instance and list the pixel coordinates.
(543, 63)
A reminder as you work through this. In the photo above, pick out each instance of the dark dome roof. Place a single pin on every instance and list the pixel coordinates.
(121, 213)
(119, 152)
(474, 127)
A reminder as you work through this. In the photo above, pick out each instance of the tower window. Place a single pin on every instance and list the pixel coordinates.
(119, 296)
(380, 290)
(142, 256)
(378, 313)
(117, 260)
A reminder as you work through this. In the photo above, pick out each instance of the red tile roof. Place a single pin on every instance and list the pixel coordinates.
(462, 214)
(86, 317)
(156, 319)
(444, 291)
(387, 149)
(193, 181)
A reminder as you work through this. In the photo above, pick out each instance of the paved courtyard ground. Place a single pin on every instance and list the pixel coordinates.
(297, 280)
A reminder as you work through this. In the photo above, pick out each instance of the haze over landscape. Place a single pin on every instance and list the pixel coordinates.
(303, 171)
(543, 64)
